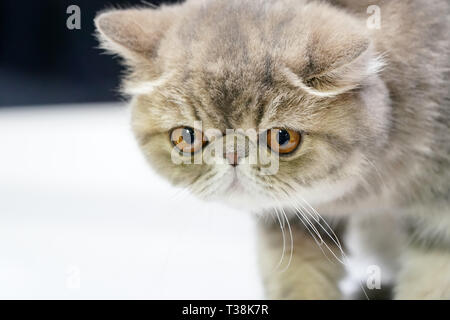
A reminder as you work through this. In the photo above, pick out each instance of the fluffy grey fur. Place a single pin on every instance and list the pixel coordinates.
(373, 106)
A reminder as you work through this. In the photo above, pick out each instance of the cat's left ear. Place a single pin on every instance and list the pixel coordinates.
(134, 34)
(338, 56)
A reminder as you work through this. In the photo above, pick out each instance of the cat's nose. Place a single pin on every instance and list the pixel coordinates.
(232, 158)
(235, 148)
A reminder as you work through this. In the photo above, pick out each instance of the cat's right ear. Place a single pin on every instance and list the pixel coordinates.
(134, 34)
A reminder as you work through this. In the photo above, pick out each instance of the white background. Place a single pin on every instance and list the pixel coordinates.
(82, 216)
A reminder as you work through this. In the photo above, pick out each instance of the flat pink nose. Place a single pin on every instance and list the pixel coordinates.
(232, 158)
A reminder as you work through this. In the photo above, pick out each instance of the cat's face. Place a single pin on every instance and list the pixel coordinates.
(255, 106)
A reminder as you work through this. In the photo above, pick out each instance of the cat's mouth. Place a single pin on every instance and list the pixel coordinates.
(236, 185)
(239, 192)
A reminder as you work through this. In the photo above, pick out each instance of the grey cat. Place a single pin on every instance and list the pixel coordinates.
(355, 117)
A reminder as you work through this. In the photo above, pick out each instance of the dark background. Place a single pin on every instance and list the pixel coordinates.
(43, 62)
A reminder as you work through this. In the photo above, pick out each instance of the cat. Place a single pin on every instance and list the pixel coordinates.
(355, 119)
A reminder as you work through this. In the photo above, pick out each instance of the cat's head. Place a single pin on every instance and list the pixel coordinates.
(255, 103)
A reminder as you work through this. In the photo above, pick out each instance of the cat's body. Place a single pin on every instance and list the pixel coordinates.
(372, 105)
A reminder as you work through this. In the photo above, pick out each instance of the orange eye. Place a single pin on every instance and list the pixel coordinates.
(187, 139)
(283, 141)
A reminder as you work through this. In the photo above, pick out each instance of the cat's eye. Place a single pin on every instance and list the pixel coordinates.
(283, 141)
(187, 139)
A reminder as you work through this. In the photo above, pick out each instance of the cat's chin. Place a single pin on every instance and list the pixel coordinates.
(236, 189)
(243, 202)
(240, 196)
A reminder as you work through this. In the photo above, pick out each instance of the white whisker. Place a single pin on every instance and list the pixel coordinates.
(291, 242)
(284, 241)
(335, 239)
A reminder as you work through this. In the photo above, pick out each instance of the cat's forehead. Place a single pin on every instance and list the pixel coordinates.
(240, 89)
(231, 95)
(234, 98)
(231, 63)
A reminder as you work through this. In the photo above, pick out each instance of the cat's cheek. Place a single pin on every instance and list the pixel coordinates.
(332, 187)
(173, 167)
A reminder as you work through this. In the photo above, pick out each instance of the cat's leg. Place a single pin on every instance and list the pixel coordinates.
(374, 241)
(311, 274)
(425, 272)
